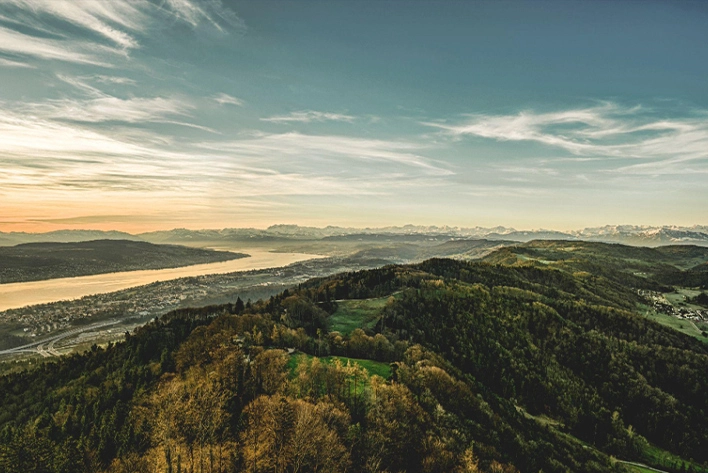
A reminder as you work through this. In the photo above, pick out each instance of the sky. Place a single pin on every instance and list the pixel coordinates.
(155, 114)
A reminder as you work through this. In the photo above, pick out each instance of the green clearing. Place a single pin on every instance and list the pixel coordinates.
(542, 419)
(680, 296)
(372, 367)
(533, 259)
(356, 313)
(675, 298)
(684, 326)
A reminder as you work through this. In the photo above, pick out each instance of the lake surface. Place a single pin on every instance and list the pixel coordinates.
(14, 295)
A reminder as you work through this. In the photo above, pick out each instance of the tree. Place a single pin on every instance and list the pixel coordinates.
(395, 428)
(283, 434)
(268, 371)
(239, 307)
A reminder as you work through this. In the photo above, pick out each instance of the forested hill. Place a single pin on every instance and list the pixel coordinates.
(457, 367)
(37, 261)
(630, 265)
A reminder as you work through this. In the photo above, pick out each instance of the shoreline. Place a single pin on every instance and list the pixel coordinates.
(23, 294)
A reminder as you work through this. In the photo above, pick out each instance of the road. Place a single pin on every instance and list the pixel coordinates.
(642, 465)
(45, 347)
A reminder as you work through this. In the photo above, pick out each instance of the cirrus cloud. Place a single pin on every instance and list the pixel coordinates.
(661, 144)
(37, 29)
(308, 116)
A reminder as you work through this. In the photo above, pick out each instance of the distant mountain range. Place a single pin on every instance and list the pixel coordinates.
(647, 236)
(625, 234)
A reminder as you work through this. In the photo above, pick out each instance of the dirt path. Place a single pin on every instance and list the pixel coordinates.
(643, 466)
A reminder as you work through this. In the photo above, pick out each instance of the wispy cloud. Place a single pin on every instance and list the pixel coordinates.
(28, 138)
(90, 219)
(529, 170)
(9, 63)
(104, 79)
(48, 153)
(308, 116)
(226, 99)
(297, 148)
(96, 106)
(111, 20)
(19, 44)
(212, 11)
(132, 110)
(606, 131)
(108, 28)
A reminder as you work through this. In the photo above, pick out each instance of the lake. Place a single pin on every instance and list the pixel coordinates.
(15, 295)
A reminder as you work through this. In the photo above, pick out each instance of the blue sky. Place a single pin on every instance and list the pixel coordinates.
(152, 114)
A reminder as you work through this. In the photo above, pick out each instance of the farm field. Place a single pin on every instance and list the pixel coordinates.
(358, 313)
(684, 326)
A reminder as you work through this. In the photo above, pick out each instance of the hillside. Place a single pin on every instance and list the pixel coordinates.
(37, 261)
(395, 252)
(640, 267)
(479, 368)
(656, 259)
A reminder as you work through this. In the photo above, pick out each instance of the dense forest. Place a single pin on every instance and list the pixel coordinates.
(454, 367)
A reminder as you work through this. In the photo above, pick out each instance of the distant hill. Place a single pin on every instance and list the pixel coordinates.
(63, 236)
(37, 261)
(683, 256)
(579, 255)
(389, 237)
(416, 248)
(637, 266)
(462, 249)
(532, 235)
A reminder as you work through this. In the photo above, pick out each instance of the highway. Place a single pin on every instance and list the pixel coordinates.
(45, 347)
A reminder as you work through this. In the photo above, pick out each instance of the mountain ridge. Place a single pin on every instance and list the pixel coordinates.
(626, 234)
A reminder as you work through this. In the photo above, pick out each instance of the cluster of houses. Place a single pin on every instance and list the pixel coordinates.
(154, 300)
(661, 304)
